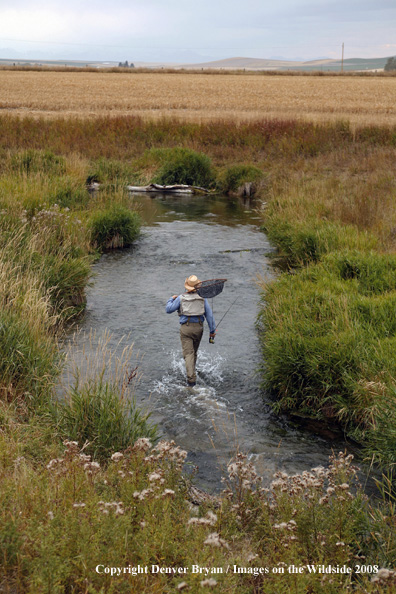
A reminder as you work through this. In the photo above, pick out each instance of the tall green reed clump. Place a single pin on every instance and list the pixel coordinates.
(233, 178)
(114, 227)
(184, 166)
(97, 408)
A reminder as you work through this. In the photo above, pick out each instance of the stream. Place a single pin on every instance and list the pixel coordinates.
(211, 237)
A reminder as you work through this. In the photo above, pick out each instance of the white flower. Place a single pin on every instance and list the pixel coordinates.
(117, 456)
(209, 582)
(142, 444)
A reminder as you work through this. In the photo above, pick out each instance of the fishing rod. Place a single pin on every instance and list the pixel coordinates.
(211, 338)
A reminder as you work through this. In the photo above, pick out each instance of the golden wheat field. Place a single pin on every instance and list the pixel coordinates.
(199, 96)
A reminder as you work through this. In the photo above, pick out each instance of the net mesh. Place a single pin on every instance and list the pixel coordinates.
(210, 288)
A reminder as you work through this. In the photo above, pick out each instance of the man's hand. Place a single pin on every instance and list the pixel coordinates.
(174, 297)
(212, 337)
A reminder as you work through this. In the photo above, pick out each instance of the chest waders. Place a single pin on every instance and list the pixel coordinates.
(191, 305)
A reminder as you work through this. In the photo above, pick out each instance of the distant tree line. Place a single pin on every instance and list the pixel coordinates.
(126, 64)
(390, 64)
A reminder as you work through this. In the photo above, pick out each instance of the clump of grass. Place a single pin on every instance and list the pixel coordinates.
(29, 361)
(111, 171)
(68, 192)
(34, 161)
(185, 166)
(236, 176)
(97, 413)
(302, 242)
(114, 227)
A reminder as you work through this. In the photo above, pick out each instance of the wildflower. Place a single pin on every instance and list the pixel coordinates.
(142, 523)
(91, 467)
(209, 582)
(384, 575)
(344, 486)
(70, 444)
(117, 456)
(210, 519)
(143, 443)
(182, 586)
(168, 492)
(154, 476)
(78, 504)
(50, 514)
(340, 544)
(214, 540)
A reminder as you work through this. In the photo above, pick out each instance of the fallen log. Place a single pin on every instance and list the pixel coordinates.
(176, 189)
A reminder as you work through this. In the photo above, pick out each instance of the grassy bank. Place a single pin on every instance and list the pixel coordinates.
(111, 498)
(328, 322)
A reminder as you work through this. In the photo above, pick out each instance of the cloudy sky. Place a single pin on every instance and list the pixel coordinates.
(196, 30)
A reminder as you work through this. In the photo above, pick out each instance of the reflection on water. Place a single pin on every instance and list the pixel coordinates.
(211, 237)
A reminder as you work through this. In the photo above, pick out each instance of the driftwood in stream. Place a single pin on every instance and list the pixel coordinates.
(157, 188)
(176, 189)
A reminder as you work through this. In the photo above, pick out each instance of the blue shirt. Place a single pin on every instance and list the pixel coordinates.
(174, 304)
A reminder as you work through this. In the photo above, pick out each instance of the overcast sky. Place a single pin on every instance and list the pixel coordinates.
(196, 30)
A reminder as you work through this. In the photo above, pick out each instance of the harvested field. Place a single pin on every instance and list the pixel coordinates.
(199, 97)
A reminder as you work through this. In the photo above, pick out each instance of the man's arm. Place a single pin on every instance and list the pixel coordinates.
(173, 304)
(209, 317)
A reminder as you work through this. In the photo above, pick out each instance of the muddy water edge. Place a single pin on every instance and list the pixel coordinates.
(212, 237)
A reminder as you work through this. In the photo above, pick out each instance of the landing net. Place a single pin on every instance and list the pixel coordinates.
(210, 288)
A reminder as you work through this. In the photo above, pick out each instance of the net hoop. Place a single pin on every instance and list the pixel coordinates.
(210, 288)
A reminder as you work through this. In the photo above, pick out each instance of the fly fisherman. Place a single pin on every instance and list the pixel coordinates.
(192, 310)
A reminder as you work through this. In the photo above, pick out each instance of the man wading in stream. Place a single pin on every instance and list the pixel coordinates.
(192, 310)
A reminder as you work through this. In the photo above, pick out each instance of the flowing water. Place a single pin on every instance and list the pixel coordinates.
(212, 238)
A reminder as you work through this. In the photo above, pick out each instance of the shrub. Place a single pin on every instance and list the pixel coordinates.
(185, 166)
(115, 227)
(237, 175)
(97, 413)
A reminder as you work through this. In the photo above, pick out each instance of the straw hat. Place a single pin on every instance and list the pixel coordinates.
(191, 282)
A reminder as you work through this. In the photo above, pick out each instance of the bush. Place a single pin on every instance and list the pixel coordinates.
(236, 176)
(97, 413)
(115, 227)
(185, 166)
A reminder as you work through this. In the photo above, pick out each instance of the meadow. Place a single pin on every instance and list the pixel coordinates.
(85, 480)
(199, 97)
